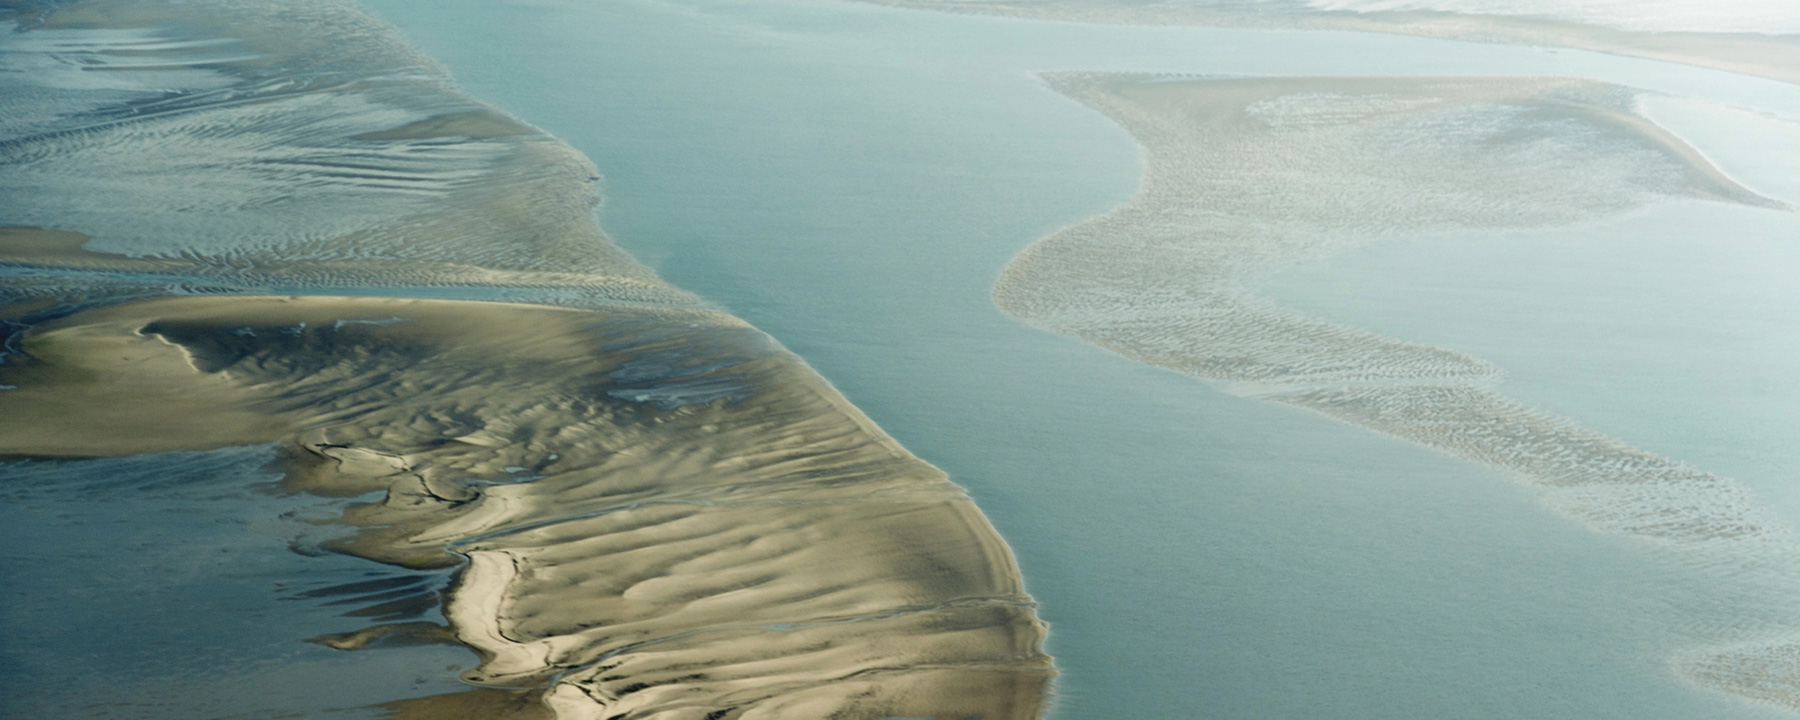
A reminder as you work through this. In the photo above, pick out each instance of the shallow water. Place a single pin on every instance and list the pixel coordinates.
(263, 148)
(1673, 328)
(851, 180)
(203, 618)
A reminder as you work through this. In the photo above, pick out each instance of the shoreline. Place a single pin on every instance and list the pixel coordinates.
(631, 433)
(1196, 224)
(753, 449)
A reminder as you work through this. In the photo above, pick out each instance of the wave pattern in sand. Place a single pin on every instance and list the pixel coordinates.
(663, 513)
(282, 145)
(222, 220)
(1245, 176)
(1756, 38)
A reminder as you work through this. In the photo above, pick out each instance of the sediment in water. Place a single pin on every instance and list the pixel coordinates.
(1244, 176)
(663, 513)
(259, 145)
(658, 511)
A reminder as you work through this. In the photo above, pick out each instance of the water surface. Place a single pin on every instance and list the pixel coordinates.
(852, 179)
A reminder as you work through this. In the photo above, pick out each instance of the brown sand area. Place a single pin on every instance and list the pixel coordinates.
(662, 513)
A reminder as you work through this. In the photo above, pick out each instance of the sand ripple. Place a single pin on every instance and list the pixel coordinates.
(767, 553)
(1244, 176)
(213, 210)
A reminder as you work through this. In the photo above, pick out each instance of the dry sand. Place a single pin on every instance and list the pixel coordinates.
(663, 514)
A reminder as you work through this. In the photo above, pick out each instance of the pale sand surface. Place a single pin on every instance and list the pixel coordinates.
(1243, 176)
(1772, 56)
(664, 515)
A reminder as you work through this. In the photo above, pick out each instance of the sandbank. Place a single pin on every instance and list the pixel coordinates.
(1244, 176)
(656, 511)
(664, 514)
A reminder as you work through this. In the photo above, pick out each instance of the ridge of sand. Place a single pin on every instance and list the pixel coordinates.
(694, 524)
(663, 513)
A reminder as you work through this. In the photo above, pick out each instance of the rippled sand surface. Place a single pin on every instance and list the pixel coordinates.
(661, 512)
(1248, 175)
(1244, 176)
(266, 144)
(250, 223)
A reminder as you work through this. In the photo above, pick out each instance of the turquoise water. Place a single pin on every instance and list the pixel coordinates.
(1674, 328)
(170, 587)
(851, 179)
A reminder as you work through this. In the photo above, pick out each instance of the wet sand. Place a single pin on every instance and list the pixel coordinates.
(1246, 176)
(320, 149)
(228, 238)
(661, 511)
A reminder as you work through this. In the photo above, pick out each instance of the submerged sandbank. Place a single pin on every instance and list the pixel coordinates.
(656, 510)
(1244, 176)
(1773, 56)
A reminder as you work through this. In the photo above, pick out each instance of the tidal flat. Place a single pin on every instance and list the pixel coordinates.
(865, 175)
(274, 227)
(851, 180)
(649, 511)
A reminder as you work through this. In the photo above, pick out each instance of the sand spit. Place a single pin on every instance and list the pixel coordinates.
(1776, 57)
(1245, 176)
(663, 514)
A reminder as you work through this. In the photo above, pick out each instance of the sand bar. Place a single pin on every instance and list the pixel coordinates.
(664, 514)
(1246, 176)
